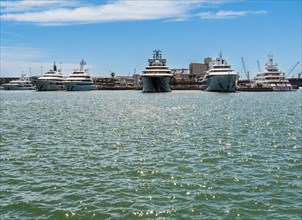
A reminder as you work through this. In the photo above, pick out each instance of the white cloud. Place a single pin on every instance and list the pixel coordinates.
(63, 12)
(228, 14)
(35, 5)
(36, 11)
(17, 60)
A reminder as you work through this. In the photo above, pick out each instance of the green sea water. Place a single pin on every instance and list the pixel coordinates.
(132, 155)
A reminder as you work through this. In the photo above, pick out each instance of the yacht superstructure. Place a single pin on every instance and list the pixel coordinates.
(157, 76)
(79, 80)
(51, 80)
(220, 77)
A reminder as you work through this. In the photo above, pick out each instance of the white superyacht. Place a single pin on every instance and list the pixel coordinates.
(50, 81)
(157, 76)
(220, 77)
(22, 83)
(79, 80)
(271, 79)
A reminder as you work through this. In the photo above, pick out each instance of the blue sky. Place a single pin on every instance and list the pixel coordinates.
(120, 35)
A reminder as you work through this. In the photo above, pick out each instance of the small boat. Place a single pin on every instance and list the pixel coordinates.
(157, 76)
(50, 81)
(21, 84)
(220, 77)
(79, 80)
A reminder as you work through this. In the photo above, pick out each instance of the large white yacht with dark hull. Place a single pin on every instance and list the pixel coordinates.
(157, 76)
(50, 81)
(79, 80)
(220, 77)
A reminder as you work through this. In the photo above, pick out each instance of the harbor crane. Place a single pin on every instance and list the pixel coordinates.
(292, 68)
(247, 73)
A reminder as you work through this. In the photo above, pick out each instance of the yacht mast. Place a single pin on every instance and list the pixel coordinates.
(54, 66)
(82, 64)
(258, 66)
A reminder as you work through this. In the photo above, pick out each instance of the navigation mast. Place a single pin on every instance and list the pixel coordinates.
(258, 66)
(82, 64)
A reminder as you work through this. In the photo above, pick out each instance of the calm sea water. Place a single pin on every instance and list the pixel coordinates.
(131, 155)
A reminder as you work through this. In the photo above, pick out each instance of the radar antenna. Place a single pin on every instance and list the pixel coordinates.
(220, 54)
(157, 54)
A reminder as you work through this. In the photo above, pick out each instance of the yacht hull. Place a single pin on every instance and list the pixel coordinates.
(265, 89)
(283, 88)
(18, 87)
(221, 83)
(156, 83)
(79, 86)
(49, 85)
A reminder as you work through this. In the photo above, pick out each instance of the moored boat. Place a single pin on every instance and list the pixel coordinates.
(50, 81)
(79, 80)
(271, 79)
(220, 77)
(157, 76)
(22, 83)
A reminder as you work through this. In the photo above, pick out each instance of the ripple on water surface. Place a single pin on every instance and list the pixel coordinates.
(126, 154)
